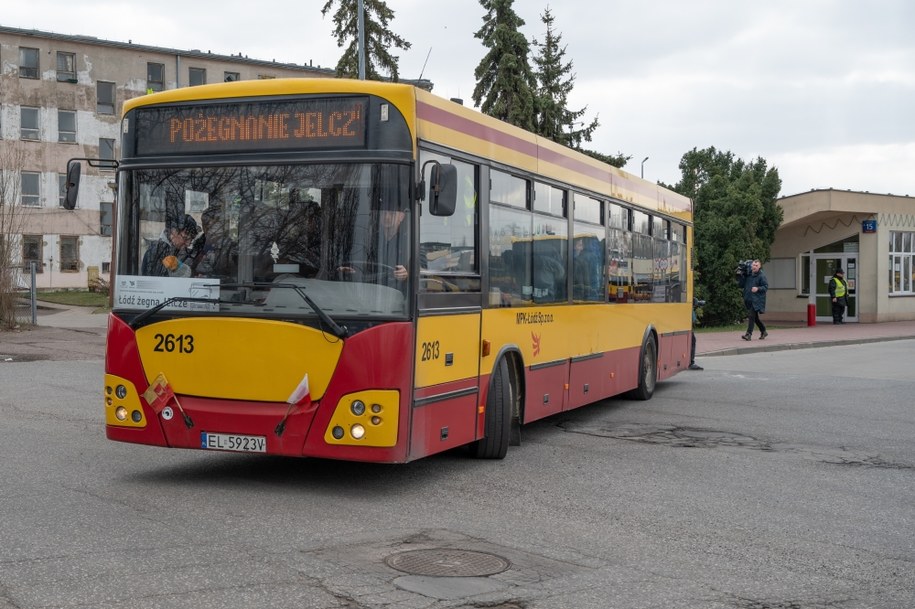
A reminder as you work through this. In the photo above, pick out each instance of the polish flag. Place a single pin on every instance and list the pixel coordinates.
(159, 394)
(301, 395)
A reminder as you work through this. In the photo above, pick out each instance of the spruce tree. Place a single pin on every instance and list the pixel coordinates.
(555, 81)
(505, 83)
(736, 215)
(378, 39)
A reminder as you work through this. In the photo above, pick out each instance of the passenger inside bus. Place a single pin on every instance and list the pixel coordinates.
(166, 256)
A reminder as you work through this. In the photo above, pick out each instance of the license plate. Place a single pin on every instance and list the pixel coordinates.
(234, 442)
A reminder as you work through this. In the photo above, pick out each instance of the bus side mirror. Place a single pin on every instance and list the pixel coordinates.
(73, 170)
(442, 195)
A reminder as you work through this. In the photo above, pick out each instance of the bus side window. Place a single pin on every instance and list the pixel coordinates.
(450, 242)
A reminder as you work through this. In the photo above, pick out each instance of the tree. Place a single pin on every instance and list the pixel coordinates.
(735, 217)
(378, 38)
(12, 219)
(555, 81)
(505, 83)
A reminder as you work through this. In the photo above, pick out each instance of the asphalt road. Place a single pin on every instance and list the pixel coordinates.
(780, 480)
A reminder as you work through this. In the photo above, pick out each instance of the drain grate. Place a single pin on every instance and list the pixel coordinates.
(447, 563)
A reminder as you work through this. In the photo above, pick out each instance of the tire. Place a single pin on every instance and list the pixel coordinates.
(648, 370)
(498, 417)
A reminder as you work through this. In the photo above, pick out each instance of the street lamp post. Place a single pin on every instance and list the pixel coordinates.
(643, 166)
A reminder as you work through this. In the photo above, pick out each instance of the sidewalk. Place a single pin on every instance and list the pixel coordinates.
(62, 333)
(800, 337)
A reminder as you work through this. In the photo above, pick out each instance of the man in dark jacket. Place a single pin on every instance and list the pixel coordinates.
(754, 286)
(838, 292)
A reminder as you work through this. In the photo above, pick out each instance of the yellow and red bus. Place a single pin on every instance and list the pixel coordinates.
(365, 271)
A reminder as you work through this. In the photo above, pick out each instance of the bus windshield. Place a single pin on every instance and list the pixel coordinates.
(238, 234)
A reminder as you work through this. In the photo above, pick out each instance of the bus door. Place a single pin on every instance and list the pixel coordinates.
(447, 352)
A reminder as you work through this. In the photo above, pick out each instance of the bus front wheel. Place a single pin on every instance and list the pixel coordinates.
(648, 370)
(497, 418)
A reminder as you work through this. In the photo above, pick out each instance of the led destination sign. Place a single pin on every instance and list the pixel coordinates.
(252, 126)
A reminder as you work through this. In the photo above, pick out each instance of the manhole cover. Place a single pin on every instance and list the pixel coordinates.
(447, 563)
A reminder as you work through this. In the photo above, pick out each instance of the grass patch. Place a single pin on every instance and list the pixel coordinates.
(76, 298)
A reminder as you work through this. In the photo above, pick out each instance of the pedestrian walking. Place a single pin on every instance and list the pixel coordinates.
(751, 278)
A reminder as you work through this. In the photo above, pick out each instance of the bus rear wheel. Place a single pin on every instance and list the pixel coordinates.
(648, 370)
(498, 416)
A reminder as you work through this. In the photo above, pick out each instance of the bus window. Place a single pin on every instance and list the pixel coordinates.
(549, 199)
(588, 274)
(449, 243)
(549, 249)
(510, 282)
(619, 264)
(507, 189)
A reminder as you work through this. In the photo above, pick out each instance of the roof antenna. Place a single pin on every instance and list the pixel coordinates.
(421, 72)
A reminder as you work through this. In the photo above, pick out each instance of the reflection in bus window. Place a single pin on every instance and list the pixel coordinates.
(588, 264)
(549, 250)
(449, 244)
(509, 266)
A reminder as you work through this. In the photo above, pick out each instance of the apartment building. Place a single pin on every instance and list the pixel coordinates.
(60, 98)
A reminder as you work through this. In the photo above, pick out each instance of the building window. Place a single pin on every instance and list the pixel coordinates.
(31, 252)
(105, 218)
(902, 262)
(265, 77)
(66, 126)
(66, 67)
(196, 76)
(106, 150)
(28, 119)
(28, 63)
(31, 188)
(61, 188)
(105, 91)
(69, 254)
(231, 76)
(155, 77)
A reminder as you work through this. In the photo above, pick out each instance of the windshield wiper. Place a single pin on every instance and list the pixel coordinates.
(136, 321)
(335, 328)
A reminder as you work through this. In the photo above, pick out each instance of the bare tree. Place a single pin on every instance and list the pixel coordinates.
(12, 219)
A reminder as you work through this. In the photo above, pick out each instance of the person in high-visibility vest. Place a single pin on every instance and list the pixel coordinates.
(838, 291)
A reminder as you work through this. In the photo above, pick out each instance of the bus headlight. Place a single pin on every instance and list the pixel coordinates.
(367, 418)
(121, 413)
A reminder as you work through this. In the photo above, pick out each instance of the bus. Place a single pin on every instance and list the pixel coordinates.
(364, 271)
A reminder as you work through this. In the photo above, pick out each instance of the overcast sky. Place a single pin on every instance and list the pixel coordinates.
(824, 90)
